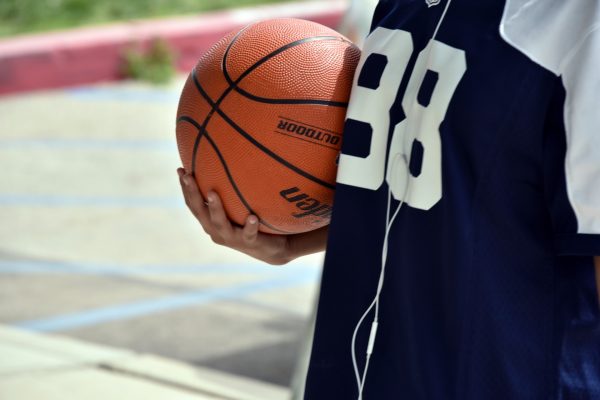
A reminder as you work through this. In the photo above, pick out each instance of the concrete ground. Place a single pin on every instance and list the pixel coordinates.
(96, 243)
(50, 367)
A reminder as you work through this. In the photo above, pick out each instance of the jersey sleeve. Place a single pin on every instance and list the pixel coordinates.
(574, 215)
(564, 37)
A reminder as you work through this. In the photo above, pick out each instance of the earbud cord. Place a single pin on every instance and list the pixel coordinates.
(375, 303)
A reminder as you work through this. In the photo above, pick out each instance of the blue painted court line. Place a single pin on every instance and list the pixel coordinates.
(23, 200)
(169, 145)
(282, 309)
(23, 267)
(146, 307)
(125, 95)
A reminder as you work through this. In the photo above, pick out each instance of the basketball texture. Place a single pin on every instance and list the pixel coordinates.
(260, 122)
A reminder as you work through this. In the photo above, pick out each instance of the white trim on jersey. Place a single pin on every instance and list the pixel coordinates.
(563, 36)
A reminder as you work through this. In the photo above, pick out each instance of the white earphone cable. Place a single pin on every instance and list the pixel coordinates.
(360, 381)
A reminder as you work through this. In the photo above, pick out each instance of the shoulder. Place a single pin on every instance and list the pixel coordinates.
(553, 33)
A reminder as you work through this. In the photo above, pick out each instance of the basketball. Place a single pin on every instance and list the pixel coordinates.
(260, 122)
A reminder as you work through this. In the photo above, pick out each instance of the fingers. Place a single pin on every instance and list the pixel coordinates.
(250, 230)
(211, 214)
(193, 197)
(223, 230)
(213, 218)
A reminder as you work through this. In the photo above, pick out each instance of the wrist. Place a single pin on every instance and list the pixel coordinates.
(306, 243)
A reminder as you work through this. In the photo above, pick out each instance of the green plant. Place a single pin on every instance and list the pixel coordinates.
(23, 16)
(156, 64)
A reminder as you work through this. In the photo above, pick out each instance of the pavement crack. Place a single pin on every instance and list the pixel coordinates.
(165, 382)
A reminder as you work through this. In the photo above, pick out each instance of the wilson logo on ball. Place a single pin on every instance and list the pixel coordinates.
(306, 204)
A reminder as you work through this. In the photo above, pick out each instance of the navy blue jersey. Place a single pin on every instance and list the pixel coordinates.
(481, 120)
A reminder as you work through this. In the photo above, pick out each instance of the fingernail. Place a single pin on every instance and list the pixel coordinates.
(187, 180)
(210, 196)
(252, 220)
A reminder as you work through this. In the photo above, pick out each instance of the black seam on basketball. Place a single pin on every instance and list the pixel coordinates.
(204, 133)
(234, 84)
(269, 56)
(258, 144)
(191, 120)
(233, 40)
(290, 101)
(235, 187)
(216, 104)
(199, 135)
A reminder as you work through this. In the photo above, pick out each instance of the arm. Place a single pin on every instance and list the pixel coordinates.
(597, 263)
(273, 249)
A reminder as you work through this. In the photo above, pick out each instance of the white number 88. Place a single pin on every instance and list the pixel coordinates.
(370, 107)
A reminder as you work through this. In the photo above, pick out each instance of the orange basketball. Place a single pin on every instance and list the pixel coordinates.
(260, 122)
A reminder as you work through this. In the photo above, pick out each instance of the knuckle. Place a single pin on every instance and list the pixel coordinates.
(218, 225)
(218, 239)
(196, 205)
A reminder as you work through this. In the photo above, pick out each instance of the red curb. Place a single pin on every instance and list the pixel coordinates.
(89, 55)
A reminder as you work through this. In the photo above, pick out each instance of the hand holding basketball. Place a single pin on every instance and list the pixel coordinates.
(272, 249)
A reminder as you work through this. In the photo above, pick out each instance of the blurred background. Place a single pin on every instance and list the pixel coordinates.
(108, 286)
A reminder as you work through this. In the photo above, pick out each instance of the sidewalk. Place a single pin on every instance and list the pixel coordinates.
(49, 367)
(98, 247)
